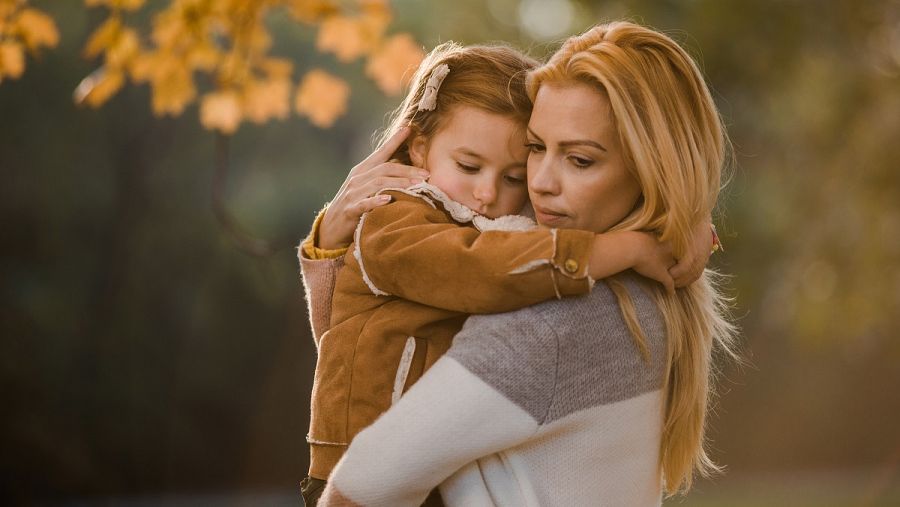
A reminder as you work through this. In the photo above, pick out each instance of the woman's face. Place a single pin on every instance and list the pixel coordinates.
(576, 172)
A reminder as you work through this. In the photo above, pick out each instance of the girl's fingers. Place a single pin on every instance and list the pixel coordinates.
(384, 153)
(686, 272)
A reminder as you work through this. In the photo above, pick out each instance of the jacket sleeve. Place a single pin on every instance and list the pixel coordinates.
(414, 251)
(435, 430)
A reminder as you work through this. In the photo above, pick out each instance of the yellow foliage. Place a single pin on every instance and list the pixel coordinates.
(204, 56)
(343, 36)
(221, 111)
(312, 11)
(392, 65)
(127, 5)
(264, 100)
(277, 67)
(22, 28)
(322, 98)
(104, 36)
(98, 87)
(12, 60)
(127, 46)
(228, 41)
(36, 29)
(173, 88)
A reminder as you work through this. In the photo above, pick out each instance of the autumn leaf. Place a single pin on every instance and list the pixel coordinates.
(98, 87)
(37, 29)
(204, 56)
(264, 100)
(322, 97)
(173, 88)
(12, 60)
(351, 37)
(103, 37)
(392, 65)
(128, 5)
(123, 49)
(311, 11)
(221, 111)
(277, 68)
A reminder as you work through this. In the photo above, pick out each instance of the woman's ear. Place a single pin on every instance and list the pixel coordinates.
(418, 149)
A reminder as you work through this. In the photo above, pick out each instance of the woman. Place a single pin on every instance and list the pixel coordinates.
(594, 400)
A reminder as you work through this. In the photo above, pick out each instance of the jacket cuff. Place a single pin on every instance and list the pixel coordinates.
(309, 248)
(571, 258)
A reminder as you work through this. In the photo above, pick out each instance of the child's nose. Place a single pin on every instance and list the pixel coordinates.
(486, 192)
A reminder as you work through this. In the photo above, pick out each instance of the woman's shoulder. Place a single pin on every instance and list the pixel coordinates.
(528, 353)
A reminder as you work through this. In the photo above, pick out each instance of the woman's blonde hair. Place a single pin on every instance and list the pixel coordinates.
(489, 78)
(674, 144)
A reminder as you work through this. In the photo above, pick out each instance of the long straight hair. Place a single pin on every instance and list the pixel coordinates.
(674, 144)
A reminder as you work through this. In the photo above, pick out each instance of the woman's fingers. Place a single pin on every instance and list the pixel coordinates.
(371, 203)
(374, 185)
(384, 153)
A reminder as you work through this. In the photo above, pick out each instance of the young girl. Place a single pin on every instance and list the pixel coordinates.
(447, 248)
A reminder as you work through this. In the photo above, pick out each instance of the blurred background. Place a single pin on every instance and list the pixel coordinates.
(147, 358)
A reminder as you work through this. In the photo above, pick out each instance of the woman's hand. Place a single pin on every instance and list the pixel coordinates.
(691, 266)
(355, 196)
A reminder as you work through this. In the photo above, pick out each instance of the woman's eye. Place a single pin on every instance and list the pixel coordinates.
(467, 168)
(581, 161)
(534, 147)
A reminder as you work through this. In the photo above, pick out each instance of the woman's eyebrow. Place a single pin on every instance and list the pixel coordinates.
(584, 142)
(581, 142)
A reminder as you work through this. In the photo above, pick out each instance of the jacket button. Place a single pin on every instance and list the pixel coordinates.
(571, 265)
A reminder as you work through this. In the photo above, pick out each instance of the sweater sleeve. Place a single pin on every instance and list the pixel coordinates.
(318, 277)
(318, 272)
(415, 251)
(452, 416)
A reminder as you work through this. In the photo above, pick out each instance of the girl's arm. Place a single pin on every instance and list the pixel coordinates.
(415, 251)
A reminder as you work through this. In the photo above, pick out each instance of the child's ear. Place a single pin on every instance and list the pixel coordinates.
(418, 148)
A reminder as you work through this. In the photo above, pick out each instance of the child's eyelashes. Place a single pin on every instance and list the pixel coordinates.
(467, 168)
(514, 180)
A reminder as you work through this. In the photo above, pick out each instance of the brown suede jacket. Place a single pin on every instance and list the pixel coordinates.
(417, 268)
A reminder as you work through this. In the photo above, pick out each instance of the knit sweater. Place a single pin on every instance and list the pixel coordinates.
(548, 405)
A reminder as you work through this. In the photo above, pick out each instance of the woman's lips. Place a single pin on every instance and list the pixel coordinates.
(547, 216)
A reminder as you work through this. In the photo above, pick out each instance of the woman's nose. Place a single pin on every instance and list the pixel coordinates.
(542, 177)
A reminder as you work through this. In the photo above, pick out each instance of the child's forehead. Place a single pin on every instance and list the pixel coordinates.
(477, 133)
(474, 123)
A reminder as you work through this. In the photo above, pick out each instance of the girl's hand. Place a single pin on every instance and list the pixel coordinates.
(614, 252)
(654, 259)
(355, 196)
(691, 266)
